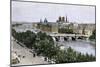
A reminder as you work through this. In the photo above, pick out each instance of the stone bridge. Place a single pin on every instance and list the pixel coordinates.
(65, 37)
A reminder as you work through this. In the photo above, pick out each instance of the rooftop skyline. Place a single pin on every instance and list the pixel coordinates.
(33, 12)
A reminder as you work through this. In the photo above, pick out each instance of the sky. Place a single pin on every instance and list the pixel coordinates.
(33, 12)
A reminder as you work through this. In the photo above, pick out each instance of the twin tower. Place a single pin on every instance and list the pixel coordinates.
(62, 19)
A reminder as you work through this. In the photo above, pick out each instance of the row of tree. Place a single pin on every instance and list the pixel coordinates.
(44, 45)
(70, 56)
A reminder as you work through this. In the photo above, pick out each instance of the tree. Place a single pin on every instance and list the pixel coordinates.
(93, 36)
(13, 32)
(61, 57)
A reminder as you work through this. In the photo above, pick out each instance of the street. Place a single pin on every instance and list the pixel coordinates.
(26, 57)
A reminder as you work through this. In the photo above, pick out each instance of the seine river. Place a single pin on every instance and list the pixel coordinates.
(79, 46)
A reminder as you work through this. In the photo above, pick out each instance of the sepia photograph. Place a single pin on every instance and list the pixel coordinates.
(44, 33)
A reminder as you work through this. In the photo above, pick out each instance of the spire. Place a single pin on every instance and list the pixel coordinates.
(66, 19)
(45, 20)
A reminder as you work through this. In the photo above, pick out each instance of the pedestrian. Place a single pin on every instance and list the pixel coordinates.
(33, 54)
(23, 56)
(45, 59)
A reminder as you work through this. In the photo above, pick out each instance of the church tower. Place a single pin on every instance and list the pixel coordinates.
(45, 20)
(66, 19)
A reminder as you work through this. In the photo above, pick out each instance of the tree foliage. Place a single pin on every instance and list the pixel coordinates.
(93, 36)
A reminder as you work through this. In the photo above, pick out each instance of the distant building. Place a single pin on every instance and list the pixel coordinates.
(35, 24)
(85, 29)
(45, 20)
(66, 19)
(62, 19)
(49, 27)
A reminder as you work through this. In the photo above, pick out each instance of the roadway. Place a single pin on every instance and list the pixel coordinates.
(28, 56)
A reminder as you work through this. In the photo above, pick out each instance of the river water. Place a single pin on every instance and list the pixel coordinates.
(79, 46)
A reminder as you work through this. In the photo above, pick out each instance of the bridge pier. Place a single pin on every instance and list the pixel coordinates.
(54, 39)
(69, 38)
(65, 38)
(73, 38)
(61, 38)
